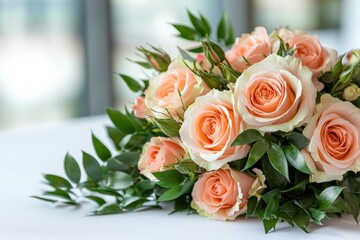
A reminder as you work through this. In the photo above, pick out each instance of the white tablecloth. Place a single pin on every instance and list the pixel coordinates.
(28, 152)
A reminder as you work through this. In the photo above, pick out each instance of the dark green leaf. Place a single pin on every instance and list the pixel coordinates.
(271, 208)
(186, 32)
(206, 25)
(98, 200)
(169, 178)
(273, 177)
(230, 36)
(131, 83)
(107, 209)
(176, 191)
(44, 199)
(302, 219)
(256, 153)
(131, 203)
(196, 49)
(251, 206)
(144, 186)
(181, 204)
(318, 215)
(123, 123)
(353, 204)
(134, 141)
(354, 182)
(238, 164)
(246, 137)
(58, 193)
(57, 181)
(296, 159)
(115, 135)
(269, 224)
(116, 165)
(197, 23)
(72, 169)
(299, 140)
(92, 167)
(328, 196)
(300, 185)
(106, 191)
(120, 180)
(278, 160)
(142, 64)
(274, 193)
(129, 159)
(101, 150)
(88, 184)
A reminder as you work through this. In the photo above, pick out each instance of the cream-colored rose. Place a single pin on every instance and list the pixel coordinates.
(276, 94)
(159, 153)
(253, 47)
(209, 128)
(173, 90)
(223, 194)
(334, 133)
(308, 49)
(140, 109)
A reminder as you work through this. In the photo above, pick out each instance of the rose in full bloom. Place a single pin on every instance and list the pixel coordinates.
(173, 90)
(334, 133)
(223, 194)
(253, 47)
(276, 94)
(140, 109)
(308, 49)
(159, 153)
(209, 128)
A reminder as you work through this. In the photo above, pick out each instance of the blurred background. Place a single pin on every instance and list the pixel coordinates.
(59, 58)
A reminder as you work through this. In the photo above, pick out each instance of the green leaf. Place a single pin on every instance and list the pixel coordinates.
(168, 126)
(72, 169)
(246, 137)
(185, 55)
(57, 181)
(256, 152)
(58, 193)
(302, 219)
(300, 185)
(273, 177)
(186, 32)
(251, 206)
(115, 135)
(44, 199)
(98, 200)
(124, 161)
(144, 186)
(221, 29)
(271, 208)
(206, 25)
(269, 224)
(296, 159)
(101, 150)
(92, 167)
(114, 164)
(299, 140)
(230, 37)
(176, 191)
(123, 123)
(318, 215)
(134, 141)
(120, 180)
(107, 209)
(197, 23)
(328, 196)
(181, 204)
(196, 49)
(169, 178)
(353, 204)
(278, 160)
(131, 83)
(106, 191)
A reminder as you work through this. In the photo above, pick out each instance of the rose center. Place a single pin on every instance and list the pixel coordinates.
(337, 141)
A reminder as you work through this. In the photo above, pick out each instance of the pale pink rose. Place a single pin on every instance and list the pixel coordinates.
(173, 90)
(140, 109)
(158, 154)
(308, 49)
(276, 94)
(254, 47)
(334, 133)
(209, 128)
(223, 194)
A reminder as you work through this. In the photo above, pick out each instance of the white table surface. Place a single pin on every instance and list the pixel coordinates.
(26, 153)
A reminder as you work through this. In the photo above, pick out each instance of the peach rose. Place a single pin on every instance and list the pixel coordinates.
(276, 94)
(308, 49)
(223, 194)
(159, 153)
(140, 109)
(334, 134)
(173, 90)
(254, 47)
(209, 128)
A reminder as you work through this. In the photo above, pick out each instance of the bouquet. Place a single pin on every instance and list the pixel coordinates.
(264, 125)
